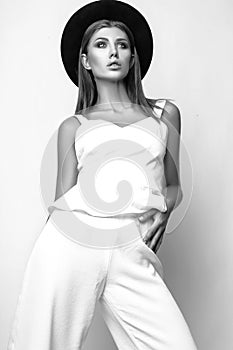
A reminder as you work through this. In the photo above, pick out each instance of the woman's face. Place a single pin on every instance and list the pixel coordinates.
(107, 45)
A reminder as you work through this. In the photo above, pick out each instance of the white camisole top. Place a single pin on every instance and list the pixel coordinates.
(120, 169)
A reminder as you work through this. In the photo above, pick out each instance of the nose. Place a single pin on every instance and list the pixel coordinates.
(113, 51)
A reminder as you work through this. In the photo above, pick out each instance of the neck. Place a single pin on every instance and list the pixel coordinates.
(112, 94)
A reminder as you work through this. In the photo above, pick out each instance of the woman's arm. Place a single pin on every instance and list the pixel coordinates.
(66, 159)
(171, 116)
(66, 156)
(154, 235)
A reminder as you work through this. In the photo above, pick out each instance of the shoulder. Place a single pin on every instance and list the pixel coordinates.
(171, 115)
(68, 125)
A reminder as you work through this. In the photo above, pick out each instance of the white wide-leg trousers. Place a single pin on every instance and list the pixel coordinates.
(64, 280)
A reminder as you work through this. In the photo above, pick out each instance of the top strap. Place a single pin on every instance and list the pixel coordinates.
(80, 118)
(161, 104)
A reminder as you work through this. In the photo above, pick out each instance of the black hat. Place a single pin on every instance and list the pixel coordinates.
(111, 10)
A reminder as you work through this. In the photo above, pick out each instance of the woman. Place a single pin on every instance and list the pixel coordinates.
(65, 278)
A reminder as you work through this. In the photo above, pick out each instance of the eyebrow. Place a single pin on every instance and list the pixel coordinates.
(107, 39)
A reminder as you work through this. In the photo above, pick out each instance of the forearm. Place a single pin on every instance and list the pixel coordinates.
(173, 197)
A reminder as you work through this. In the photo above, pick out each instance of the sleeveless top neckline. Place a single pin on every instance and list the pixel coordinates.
(161, 103)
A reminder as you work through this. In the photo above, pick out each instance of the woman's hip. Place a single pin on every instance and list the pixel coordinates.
(94, 232)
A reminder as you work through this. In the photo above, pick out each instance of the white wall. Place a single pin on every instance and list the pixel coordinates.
(192, 63)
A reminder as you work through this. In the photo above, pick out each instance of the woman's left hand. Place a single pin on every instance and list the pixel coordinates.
(154, 235)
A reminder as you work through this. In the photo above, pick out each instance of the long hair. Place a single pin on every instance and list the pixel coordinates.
(87, 95)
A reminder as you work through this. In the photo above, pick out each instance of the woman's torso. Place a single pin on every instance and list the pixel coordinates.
(120, 166)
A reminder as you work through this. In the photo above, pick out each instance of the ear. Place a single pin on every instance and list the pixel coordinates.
(84, 61)
(131, 61)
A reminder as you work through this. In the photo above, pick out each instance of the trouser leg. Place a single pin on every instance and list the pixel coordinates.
(61, 284)
(137, 306)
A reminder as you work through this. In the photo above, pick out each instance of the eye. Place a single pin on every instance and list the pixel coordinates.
(99, 43)
(124, 45)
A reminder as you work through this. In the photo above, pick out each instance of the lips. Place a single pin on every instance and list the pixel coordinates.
(115, 62)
